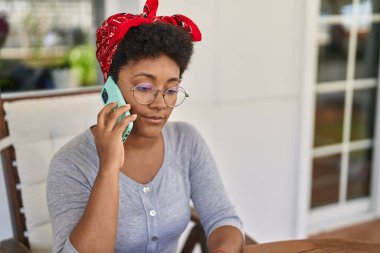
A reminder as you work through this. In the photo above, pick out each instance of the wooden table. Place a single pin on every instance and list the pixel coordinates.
(314, 246)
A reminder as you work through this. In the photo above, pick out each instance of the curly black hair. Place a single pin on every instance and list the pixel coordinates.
(149, 41)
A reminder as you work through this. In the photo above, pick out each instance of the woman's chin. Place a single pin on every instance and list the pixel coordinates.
(148, 128)
(147, 132)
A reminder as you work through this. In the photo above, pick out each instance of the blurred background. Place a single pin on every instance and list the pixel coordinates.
(48, 45)
(284, 92)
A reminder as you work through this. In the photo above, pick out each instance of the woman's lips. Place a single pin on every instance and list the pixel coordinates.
(154, 119)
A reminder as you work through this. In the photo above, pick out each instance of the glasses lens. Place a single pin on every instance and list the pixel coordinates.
(175, 96)
(144, 93)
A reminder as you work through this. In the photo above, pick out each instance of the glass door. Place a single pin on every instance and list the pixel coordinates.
(345, 103)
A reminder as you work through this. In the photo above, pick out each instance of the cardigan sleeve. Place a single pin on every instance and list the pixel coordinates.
(67, 196)
(207, 191)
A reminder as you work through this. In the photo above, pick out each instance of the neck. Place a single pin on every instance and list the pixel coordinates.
(137, 142)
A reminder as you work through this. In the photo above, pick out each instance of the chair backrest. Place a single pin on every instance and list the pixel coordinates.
(34, 127)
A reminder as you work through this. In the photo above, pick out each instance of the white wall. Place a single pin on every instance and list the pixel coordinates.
(244, 83)
(116, 6)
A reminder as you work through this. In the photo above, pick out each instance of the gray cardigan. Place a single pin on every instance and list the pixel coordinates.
(151, 216)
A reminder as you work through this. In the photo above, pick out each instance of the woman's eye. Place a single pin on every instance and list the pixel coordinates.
(172, 91)
(143, 88)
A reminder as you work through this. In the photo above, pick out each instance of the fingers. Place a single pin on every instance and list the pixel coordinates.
(124, 123)
(102, 115)
(113, 117)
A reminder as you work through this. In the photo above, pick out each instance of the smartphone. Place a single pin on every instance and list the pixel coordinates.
(111, 93)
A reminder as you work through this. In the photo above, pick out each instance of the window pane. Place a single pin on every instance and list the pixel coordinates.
(372, 5)
(363, 114)
(333, 52)
(50, 44)
(367, 54)
(335, 7)
(329, 119)
(325, 184)
(359, 174)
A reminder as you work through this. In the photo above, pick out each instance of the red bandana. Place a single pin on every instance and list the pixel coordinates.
(113, 30)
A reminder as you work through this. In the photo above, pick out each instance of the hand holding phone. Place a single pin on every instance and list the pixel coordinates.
(111, 93)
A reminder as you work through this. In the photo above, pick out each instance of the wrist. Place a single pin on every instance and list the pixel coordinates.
(108, 172)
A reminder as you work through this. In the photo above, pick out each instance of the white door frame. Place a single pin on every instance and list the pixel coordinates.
(306, 126)
(376, 156)
(306, 123)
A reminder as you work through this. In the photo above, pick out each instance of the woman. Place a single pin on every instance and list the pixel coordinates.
(109, 196)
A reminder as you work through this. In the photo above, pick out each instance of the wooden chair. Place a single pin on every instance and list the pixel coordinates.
(36, 125)
(24, 132)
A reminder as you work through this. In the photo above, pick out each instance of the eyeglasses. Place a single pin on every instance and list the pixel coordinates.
(146, 93)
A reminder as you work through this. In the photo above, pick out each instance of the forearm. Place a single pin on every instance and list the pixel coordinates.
(227, 239)
(96, 230)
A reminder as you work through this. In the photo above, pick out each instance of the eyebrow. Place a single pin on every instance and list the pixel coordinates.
(154, 78)
(150, 76)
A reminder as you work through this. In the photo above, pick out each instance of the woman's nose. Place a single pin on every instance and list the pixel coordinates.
(159, 100)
